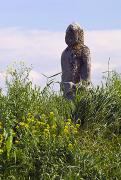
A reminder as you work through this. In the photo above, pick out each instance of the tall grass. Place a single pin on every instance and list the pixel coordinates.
(44, 136)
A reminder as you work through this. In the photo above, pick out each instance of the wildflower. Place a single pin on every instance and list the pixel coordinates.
(68, 123)
(54, 127)
(24, 124)
(72, 128)
(66, 127)
(46, 133)
(43, 117)
(46, 130)
(42, 124)
(30, 120)
(48, 127)
(51, 115)
(17, 127)
(75, 131)
(39, 123)
(29, 114)
(69, 120)
(77, 125)
(70, 146)
(1, 137)
(66, 131)
(16, 141)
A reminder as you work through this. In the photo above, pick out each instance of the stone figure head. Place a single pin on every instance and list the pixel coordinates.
(74, 35)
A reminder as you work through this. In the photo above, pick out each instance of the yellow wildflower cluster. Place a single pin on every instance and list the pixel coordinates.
(46, 127)
(46, 133)
(70, 128)
(70, 147)
(23, 124)
(51, 115)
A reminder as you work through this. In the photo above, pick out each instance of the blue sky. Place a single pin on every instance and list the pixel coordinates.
(33, 31)
(56, 14)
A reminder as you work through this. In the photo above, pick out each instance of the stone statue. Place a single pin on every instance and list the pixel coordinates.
(75, 61)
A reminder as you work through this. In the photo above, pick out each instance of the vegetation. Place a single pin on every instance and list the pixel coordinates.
(44, 136)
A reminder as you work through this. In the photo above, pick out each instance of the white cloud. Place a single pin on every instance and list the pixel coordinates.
(43, 49)
(104, 44)
(35, 77)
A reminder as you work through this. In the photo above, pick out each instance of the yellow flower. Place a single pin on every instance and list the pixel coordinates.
(1, 137)
(42, 123)
(66, 131)
(38, 123)
(48, 127)
(75, 131)
(54, 127)
(77, 125)
(66, 127)
(68, 123)
(69, 120)
(24, 124)
(29, 114)
(16, 141)
(30, 120)
(51, 115)
(43, 117)
(46, 130)
(72, 127)
(46, 133)
(70, 146)
(17, 127)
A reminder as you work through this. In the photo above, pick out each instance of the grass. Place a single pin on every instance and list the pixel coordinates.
(44, 136)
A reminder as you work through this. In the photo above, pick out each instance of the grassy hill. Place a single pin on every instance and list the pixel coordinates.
(44, 136)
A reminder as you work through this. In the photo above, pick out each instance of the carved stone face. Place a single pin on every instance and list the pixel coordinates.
(74, 35)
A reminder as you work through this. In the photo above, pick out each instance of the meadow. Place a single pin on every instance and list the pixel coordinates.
(44, 136)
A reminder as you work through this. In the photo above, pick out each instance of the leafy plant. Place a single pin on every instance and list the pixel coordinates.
(44, 136)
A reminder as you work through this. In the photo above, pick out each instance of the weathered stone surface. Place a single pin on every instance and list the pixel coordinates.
(75, 60)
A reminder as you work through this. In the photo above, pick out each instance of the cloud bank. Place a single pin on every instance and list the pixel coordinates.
(43, 50)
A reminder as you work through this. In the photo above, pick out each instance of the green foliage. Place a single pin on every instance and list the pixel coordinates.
(44, 136)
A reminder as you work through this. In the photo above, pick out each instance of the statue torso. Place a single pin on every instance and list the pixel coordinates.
(71, 62)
